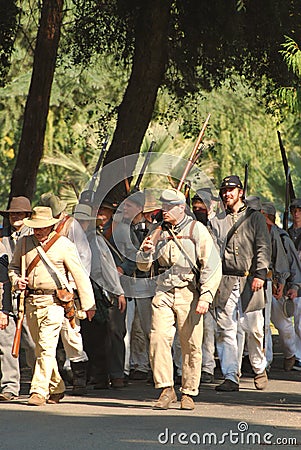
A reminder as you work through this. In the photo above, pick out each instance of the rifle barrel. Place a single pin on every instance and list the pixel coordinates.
(144, 165)
(286, 167)
(191, 160)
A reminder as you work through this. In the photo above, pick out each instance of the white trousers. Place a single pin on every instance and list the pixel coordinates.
(289, 330)
(233, 328)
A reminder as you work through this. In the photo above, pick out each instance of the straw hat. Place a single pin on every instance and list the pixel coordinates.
(83, 212)
(53, 202)
(18, 204)
(41, 218)
(151, 204)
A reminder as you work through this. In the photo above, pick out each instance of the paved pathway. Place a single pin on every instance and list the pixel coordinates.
(123, 419)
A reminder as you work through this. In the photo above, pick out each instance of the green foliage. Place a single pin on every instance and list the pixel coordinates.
(291, 95)
(8, 26)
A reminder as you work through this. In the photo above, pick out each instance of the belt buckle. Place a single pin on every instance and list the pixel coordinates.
(39, 292)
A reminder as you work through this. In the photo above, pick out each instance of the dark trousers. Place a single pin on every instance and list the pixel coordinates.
(104, 344)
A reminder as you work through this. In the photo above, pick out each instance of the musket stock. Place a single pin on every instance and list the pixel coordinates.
(17, 338)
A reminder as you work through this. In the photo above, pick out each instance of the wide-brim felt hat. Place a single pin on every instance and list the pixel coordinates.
(18, 204)
(108, 204)
(205, 194)
(151, 203)
(268, 208)
(137, 197)
(83, 212)
(41, 218)
(254, 202)
(54, 202)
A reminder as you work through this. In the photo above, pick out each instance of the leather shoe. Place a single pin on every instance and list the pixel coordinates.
(227, 386)
(117, 383)
(207, 378)
(261, 381)
(36, 400)
(289, 363)
(187, 402)
(7, 396)
(167, 397)
(55, 398)
(138, 375)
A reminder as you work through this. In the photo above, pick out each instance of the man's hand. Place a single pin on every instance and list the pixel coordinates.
(292, 293)
(257, 284)
(90, 314)
(279, 291)
(120, 270)
(121, 303)
(148, 245)
(3, 320)
(21, 283)
(202, 307)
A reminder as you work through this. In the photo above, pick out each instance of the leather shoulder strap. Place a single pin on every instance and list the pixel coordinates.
(37, 258)
(61, 224)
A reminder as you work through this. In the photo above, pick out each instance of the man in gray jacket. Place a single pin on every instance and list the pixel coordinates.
(240, 298)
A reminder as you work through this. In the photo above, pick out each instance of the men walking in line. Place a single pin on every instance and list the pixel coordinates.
(240, 298)
(189, 275)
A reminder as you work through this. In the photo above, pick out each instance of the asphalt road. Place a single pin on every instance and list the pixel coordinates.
(124, 419)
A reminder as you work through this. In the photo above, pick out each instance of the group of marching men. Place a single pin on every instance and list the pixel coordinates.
(158, 289)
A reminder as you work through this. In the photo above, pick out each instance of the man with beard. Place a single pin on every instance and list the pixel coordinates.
(240, 296)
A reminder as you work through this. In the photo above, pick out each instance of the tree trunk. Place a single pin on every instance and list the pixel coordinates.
(36, 110)
(149, 65)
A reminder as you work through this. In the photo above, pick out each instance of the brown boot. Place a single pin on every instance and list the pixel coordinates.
(187, 402)
(79, 371)
(167, 397)
(55, 398)
(36, 400)
(261, 381)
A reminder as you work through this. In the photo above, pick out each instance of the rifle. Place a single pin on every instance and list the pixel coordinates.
(246, 180)
(17, 338)
(143, 168)
(286, 167)
(289, 188)
(88, 195)
(192, 158)
(287, 201)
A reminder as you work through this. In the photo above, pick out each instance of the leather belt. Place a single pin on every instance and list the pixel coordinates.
(175, 270)
(236, 273)
(41, 291)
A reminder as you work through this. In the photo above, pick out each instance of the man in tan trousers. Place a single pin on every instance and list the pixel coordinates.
(188, 276)
(44, 312)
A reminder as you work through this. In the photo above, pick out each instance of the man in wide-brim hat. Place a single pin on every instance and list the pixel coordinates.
(71, 337)
(19, 209)
(44, 311)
